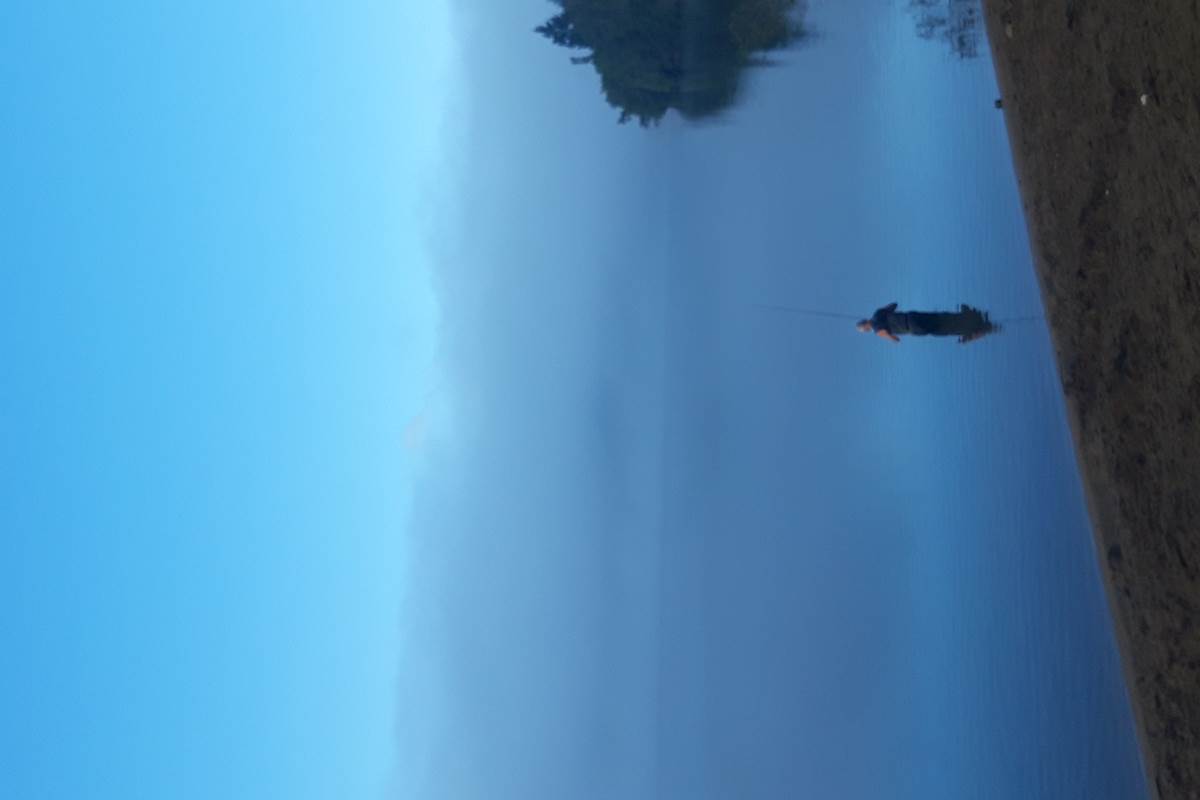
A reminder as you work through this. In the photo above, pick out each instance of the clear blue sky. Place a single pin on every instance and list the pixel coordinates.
(217, 322)
(383, 420)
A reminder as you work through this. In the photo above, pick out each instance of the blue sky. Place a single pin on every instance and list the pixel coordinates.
(219, 319)
(384, 420)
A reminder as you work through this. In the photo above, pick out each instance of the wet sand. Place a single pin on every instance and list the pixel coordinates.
(1102, 102)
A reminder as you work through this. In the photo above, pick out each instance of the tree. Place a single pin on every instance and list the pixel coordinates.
(957, 22)
(657, 55)
(561, 31)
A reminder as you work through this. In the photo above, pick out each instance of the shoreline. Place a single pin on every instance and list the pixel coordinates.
(1102, 105)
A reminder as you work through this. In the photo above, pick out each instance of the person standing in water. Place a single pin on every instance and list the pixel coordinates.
(890, 323)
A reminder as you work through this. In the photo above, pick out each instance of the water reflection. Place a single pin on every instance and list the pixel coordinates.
(958, 23)
(688, 55)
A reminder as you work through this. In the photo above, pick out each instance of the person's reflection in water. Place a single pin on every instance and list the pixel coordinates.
(968, 323)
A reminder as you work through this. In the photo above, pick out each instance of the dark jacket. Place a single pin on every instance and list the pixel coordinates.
(967, 323)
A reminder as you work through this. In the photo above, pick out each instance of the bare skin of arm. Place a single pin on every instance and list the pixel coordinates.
(888, 335)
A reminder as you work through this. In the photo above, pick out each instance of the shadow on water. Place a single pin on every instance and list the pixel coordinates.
(687, 55)
(958, 23)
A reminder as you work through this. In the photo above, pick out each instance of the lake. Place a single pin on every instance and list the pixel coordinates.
(724, 551)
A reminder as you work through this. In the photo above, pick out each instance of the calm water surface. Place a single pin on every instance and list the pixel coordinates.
(977, 656)
(709, 551)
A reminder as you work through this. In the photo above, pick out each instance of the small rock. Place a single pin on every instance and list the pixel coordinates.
(1008, 30)
(1144, 99)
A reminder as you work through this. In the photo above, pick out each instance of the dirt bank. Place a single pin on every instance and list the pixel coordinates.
(1102, 100)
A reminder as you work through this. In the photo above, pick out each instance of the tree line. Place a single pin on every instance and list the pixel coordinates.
(657, 55)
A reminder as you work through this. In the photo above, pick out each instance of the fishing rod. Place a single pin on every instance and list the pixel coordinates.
(812, 312)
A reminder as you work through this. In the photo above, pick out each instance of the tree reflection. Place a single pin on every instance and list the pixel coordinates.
(687, 55)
